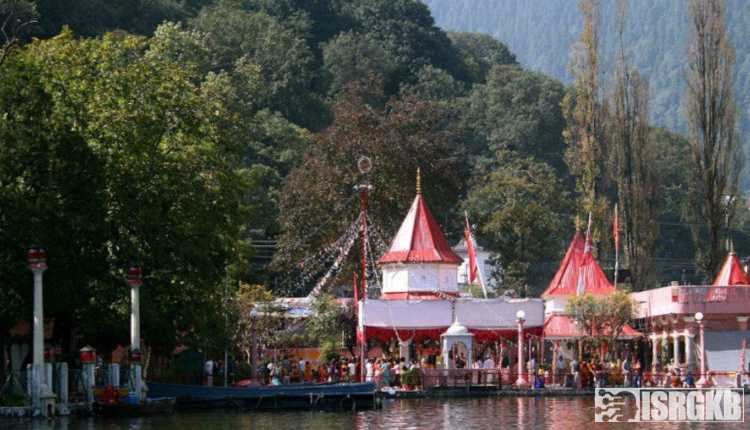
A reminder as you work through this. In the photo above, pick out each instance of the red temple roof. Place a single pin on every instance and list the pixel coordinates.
(419, 239)
(731, 273)
(579, 273)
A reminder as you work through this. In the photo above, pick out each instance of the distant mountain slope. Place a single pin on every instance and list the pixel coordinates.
(541, 32)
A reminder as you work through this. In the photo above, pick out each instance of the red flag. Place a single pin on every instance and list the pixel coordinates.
(616, 229)
(473, 270)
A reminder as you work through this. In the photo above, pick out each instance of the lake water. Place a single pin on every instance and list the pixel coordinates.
(488, 413)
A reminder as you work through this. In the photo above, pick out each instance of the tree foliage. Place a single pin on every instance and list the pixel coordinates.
(633, 171)
(711, 116)
(602, 318)
(521, 208)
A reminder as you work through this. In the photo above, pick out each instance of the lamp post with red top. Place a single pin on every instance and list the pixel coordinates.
(37, 260)
(135, 281)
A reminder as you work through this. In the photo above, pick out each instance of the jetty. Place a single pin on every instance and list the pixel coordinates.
(298, 396)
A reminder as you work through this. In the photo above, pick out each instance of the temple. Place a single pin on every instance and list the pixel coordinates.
(579, 274)
(674, 316)
(421, 311)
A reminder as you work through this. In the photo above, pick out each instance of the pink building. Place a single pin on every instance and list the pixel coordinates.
(668, 317)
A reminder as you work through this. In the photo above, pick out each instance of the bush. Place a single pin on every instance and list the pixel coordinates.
(329, 351)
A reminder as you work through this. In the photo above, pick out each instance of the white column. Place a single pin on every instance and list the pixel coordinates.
(676, 346)
(135, 318)
(39, 383)
(655, 340)
(135, 339)
(689, 361)
(62, 389)
(114, 375)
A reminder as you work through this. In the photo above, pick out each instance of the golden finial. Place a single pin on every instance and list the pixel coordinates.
(419, 181)
(578, 223)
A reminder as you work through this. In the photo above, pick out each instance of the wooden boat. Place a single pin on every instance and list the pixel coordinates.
(152, 406)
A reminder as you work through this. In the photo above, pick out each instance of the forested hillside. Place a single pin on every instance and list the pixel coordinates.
(541, 33)
(215, 143)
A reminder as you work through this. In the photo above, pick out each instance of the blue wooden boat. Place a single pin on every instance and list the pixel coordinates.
(293, 396)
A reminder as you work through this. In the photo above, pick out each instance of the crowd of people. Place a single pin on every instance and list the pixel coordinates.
(290, 370)
(385, 371)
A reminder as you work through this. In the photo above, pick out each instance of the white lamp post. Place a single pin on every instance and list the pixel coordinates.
(135, 281)
(37, 260)
(521, 382)
(703, 381)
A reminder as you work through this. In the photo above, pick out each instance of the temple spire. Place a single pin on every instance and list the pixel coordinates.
(419, 181)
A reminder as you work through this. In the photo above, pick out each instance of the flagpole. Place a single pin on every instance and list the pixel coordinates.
(470, 238)
(617, 243)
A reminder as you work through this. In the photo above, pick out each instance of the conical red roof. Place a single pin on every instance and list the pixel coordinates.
(419, 239)
(579, 272)
(731, 273)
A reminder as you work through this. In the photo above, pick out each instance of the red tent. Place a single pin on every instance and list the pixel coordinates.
(579, 273)
(731, 273)
(419, 239)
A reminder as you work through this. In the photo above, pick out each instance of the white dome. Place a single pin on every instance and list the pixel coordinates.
(457, 329)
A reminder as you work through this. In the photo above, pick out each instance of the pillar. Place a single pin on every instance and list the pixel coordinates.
(62, 389)
(655, 340)
(689, 360)
(88, 383)
(676, 346)
(114, 375)
(37, 370)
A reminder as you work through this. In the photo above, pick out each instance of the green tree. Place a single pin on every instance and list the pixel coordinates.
(317, 202)
(584, 121)
(521, 209)
(516, 110)
(602, 318)
(135, 165)
(711, 115)
(633, 167)
(480, 53)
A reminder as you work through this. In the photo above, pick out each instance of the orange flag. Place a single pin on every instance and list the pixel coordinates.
(616, 228)
(473, 270)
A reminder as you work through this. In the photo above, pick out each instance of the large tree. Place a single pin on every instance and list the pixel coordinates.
(634, 169)
(318, 199)
(520, 208)
(584, 118)
(111, 156)
(711, 116)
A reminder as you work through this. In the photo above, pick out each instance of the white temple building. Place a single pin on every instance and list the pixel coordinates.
(420, 298)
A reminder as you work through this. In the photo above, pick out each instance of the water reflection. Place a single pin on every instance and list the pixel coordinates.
(489, 413)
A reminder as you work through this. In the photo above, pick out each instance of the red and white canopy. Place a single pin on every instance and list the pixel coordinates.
(579, 273)
(731, 273)
(419, 239)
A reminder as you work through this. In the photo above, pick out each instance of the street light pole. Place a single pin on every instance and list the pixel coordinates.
(521, 382)
(704, 381)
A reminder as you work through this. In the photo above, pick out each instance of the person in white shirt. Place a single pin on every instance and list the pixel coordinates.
(301, 366)
(369, 371)
(489, 364)
(352, 371)
(209, 369)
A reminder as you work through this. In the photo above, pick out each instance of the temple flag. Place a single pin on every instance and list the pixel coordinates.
(616, 228)
(473, 267)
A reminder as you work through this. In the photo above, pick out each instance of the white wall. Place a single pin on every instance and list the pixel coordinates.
(402, 278)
